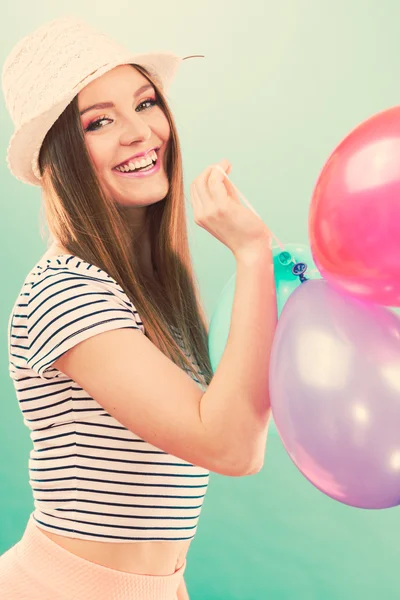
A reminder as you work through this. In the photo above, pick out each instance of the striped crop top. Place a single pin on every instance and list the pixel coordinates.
(91, 477)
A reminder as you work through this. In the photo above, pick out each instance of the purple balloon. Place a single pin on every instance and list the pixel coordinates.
(335, 394)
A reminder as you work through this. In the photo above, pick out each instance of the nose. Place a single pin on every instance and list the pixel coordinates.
(135, 129)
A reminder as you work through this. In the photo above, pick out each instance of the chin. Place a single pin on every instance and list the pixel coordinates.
(139, 202)
(158, 193)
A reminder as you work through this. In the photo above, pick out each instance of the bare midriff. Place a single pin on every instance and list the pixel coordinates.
(145, 558)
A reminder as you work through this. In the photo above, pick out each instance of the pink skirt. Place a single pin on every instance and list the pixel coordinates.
(36, 568)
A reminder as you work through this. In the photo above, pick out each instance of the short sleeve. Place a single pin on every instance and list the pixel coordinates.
(66, 307)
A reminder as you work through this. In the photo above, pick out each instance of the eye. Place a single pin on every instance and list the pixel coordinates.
(150, 101)
(94, 125)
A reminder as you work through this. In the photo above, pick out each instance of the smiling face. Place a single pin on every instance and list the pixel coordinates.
(130, 122)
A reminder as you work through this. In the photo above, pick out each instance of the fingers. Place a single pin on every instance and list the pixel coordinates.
(216, 187)
(201, 192)
(220, 185)
(197, 203)
(202, 180)
(199, 187)
(201, 184)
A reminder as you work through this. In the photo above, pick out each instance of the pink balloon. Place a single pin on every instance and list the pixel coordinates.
(354, 221)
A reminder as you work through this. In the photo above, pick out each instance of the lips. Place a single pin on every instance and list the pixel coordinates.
(136, 156)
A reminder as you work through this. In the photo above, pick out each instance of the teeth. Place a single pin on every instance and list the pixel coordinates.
(144, 161)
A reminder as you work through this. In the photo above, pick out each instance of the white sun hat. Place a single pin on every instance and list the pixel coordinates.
(45, 71)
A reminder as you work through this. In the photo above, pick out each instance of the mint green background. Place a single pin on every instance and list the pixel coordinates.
(282, 83)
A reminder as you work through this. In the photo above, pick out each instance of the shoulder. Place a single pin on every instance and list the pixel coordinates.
(68, 273)
(54, 266)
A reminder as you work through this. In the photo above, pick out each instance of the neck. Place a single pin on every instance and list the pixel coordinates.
(142, 249)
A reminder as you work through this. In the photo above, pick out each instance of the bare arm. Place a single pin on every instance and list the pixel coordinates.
(223, 429)
(236, 406)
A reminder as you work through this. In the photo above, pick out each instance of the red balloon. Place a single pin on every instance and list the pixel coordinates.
(354, 221)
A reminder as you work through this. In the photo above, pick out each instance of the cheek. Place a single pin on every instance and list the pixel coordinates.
(167, 130)
(99, 153)
(164, 128)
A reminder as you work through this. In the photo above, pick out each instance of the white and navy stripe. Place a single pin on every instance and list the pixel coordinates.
(90, 476)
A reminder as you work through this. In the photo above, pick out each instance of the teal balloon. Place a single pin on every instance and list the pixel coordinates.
(286, 281)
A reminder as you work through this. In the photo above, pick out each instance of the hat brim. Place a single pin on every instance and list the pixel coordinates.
(25, 143)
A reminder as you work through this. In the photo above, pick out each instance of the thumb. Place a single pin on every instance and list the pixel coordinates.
(226, 165)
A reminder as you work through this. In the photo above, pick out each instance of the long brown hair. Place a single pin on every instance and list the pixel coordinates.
(91, 227)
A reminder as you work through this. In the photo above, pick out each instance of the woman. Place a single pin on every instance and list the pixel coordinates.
(123, 439)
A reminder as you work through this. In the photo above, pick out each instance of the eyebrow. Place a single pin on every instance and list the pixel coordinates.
(145, 87)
